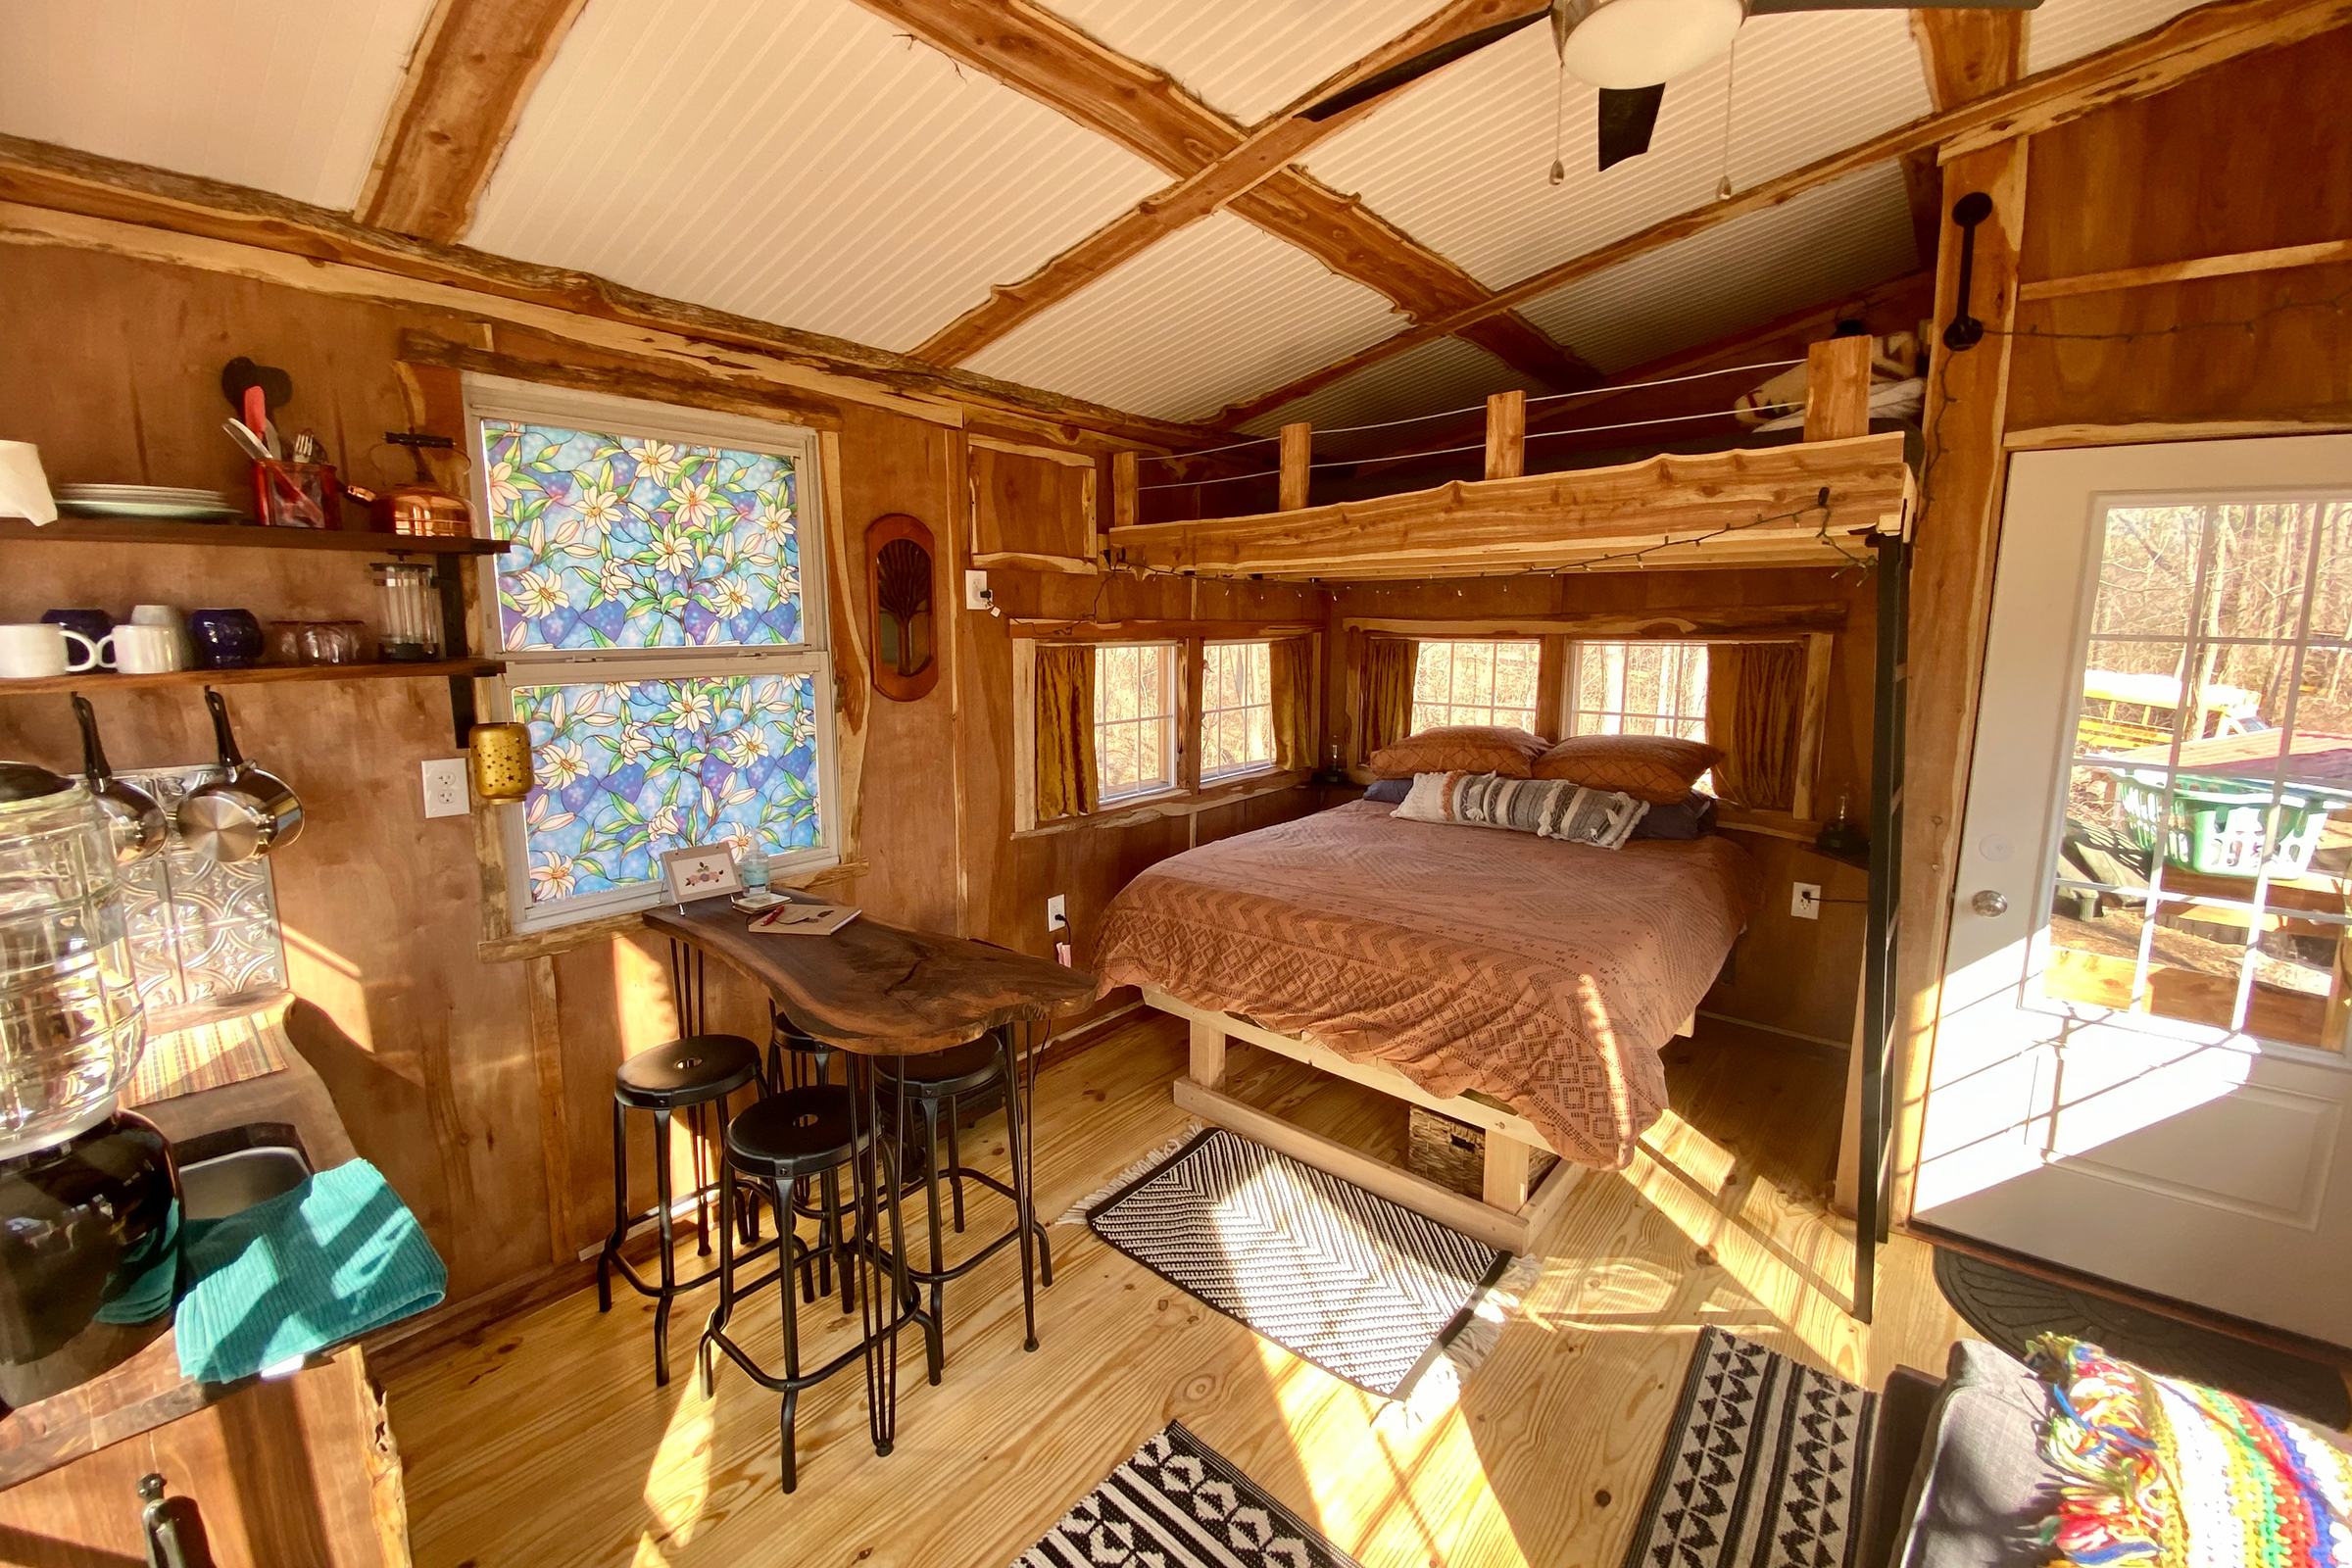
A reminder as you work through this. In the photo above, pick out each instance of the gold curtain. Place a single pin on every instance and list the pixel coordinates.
(1292, 661)
(1388, 691)
(1065, 730)
(1753, 692)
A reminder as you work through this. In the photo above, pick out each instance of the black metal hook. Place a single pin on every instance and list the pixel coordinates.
(1965, 330)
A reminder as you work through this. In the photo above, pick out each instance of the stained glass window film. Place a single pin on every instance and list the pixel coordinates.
(627, 769)
(629, 542)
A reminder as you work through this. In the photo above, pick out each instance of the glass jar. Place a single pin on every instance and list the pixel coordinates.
(410, 609)
(72, 1027)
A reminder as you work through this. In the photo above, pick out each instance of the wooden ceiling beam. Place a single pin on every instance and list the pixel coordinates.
(471, 71)
(1965, 55)
(1216, 165)
(49, 178)
(2141, 67)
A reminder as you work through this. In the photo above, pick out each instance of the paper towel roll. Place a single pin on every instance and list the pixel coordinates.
(24, 488)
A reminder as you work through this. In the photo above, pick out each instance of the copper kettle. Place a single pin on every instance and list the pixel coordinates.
(418, 509)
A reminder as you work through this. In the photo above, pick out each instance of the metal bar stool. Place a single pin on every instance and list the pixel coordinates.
(810, 1134)
(684, 1075)
(936, 1080)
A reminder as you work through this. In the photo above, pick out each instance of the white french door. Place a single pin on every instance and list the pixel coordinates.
(2140, 1069)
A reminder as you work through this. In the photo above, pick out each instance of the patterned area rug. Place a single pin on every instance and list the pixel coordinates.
(1763, 1466)
(2011, 1308)
(1179, 1504)
(1365, 1289)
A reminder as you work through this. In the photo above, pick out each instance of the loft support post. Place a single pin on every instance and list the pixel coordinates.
(1506, 435)
(1125, 487)
(1297, 453)
(1838, 389)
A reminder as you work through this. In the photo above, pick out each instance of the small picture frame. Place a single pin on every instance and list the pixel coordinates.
(701, 872)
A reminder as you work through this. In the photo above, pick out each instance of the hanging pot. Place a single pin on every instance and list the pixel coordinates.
(243, 814)
(135, 824)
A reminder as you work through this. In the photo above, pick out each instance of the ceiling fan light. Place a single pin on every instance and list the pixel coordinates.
(1640, 44)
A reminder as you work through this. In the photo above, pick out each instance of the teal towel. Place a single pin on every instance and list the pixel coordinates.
(319, 1265)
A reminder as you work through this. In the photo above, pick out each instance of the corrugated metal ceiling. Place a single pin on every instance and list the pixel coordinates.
(1461, 162)
(1217, 312)
(1833, 238)
(278, 94)
(2068, 30)
(1246, 58)
(798, 161)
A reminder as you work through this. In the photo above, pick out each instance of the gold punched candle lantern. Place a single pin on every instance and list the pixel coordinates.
(501, 763)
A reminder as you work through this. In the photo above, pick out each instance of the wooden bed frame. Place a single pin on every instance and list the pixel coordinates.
(1511, 1211)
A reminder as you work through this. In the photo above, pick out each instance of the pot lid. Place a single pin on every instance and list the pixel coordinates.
(23, 781)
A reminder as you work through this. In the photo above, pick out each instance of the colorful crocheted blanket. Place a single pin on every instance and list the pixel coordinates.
(2166, 1473)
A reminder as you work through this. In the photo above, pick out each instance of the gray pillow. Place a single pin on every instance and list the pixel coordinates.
(1693, 817)
(1388, 791)
(1981, 1488)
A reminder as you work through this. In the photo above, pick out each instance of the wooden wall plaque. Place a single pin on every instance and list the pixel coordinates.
(901, 587)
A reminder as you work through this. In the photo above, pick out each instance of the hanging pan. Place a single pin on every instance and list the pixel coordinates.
(134, 823)
(243, 814)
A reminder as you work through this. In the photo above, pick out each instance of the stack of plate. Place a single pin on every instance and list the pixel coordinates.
(143, 501)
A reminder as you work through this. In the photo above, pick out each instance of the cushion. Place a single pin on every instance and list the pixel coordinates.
(1981, 1488)
(1462, 749)
(1691, 817)
(1657, 768)
(1388, 791)
(1547, 809)
(2163, 1473)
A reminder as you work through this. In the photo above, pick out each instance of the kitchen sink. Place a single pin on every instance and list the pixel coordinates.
(237, 1167)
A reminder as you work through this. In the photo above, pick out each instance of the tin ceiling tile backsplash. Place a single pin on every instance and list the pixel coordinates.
(200, 931)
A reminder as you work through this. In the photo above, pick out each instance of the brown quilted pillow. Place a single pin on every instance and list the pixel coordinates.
(1462, 749)
(1657, 768)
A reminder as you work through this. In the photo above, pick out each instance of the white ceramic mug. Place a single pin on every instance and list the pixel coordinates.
(141, 650)
(183, 656)
(30, 652)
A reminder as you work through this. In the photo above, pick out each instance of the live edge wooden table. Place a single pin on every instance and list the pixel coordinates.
(876, 990)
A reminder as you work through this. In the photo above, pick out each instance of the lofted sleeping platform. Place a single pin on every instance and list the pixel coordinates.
(1248, 784)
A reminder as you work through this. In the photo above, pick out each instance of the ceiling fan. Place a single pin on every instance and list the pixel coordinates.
(1628, 49)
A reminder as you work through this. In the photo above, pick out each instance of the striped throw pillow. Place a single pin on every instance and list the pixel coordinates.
(1551, 809)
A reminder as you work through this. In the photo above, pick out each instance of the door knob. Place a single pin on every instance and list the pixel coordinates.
(1988, 904)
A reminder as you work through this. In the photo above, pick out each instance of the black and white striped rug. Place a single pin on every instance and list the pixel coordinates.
(1364, 1288)
(1179, 1504)
(1763, 1467)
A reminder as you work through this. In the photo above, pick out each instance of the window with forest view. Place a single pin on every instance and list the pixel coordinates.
(1236, 709)
(2206, 862)
(660, 644)
(1490, 682)
(1644, 688)
(1135, 719)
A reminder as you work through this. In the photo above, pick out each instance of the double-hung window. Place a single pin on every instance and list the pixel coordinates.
(1237, 709)
(1490, 682)
(661, 611)
(1135, 719)
(1639, 688)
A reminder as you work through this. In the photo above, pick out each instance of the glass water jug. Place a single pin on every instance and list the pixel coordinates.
(71, 1022)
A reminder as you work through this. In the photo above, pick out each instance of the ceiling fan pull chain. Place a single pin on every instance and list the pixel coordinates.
(1731, 76)
(1559, 109)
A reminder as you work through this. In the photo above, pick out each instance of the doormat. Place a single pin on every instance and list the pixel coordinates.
(1364, 1288)
(2011, 1308)
(1763, 1466)
(1179, 1504)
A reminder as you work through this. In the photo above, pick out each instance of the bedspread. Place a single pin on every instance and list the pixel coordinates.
(1546, 974)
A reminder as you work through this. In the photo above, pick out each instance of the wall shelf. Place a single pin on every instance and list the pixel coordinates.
(120, 531)
(92, 683)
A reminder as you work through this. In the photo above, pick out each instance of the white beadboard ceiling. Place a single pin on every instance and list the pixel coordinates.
(1218, 311)
(798, 161)
(282, 95)
(2068, 30)
(1246, 58)
(1833, 238)
(1461, 162)
(1443, 375)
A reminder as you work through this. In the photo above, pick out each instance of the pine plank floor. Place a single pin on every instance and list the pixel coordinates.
(545, 1442)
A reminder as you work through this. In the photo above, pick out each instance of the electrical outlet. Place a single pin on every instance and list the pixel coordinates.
(1058, 916)
(445, 787)
(977, 594)
(1805, 901)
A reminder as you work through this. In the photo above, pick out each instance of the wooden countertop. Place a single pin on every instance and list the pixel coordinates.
(877, 988)
(146, 1390)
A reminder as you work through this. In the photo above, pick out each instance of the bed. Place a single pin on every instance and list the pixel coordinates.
(1521, 984)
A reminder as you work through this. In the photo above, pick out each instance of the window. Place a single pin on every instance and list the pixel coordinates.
(1487, 682)
(663, 639)
(1135, 719)
(1236, 709)
(1644, 688)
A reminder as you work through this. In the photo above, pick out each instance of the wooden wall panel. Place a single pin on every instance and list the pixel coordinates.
(1030, 506)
